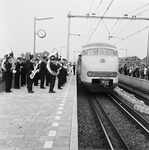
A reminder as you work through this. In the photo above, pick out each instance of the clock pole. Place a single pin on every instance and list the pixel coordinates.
(34, 36)
(35, 31)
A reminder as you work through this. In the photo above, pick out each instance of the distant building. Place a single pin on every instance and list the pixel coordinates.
(144, 60)
(129, 60)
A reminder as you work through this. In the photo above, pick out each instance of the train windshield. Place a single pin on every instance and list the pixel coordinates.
(101, 51)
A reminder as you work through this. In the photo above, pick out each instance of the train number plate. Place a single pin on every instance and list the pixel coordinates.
(105, 81)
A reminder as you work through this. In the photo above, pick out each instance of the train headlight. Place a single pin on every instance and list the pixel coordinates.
(91, 74)
(113, 74)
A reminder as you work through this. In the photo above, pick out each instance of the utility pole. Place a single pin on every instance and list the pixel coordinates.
(68, 37)
(147, 61)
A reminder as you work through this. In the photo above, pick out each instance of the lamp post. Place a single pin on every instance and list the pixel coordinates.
(35, 30)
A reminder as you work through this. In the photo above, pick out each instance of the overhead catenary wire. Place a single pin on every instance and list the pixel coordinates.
(87, 20)
(91, 6)
(128, 24)
(100, 20)
(142, 12)
(114, 25)
(138, 8)
(132, 35)
(93, 21)
(98, 5)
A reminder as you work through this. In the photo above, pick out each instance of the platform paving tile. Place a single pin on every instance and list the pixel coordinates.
(7, 148)
(18, 137)
(27, 119)
(35, 144)
(2, 137)
(20, 148)
(46, 138)
(31, 137)
(18, 143)
(64, 145)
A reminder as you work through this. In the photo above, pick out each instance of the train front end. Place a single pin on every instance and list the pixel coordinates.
(99, 73)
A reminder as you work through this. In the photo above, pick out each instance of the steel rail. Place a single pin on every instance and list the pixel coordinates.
(139, 120)
(119, 137)
(103, 128)
(133, 90)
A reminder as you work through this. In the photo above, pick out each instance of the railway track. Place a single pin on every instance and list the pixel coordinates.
(113, 137)
(127, 125)
(139, 93)
(136, 117)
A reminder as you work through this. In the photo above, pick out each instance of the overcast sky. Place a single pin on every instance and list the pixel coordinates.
(17, 25)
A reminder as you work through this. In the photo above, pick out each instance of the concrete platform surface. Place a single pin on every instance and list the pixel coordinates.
(39, 120)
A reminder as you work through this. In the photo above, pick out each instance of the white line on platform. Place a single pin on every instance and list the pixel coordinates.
(55, 124)
(52, 133)
(62, 104)
(57, 117)
(59, 112)
(48, 144)
(60, 108)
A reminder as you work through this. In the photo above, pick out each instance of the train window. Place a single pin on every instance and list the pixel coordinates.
(102, 51)
(90, 52)
(96, 51)
(83, 53)
(111, 52)
(116, 53)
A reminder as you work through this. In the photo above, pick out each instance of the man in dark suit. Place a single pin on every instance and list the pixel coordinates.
(43, 70)
(23, 71)
(30, 68)
(8, 75)
(74, 68)
(52, 68)
(17, 73)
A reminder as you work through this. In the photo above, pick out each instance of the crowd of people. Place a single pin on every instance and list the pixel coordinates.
(139, 71)
(41, 71)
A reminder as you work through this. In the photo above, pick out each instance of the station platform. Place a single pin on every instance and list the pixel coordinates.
(39, 120)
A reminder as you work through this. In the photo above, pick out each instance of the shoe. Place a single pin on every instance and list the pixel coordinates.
(52, 92)
(43, 88)
(60, 88)
(7, 91)
(10, 91)
(31, 92)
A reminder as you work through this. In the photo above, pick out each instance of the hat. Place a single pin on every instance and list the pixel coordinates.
(52, 58)
(31, 56)
(44, 57)
(19, 58)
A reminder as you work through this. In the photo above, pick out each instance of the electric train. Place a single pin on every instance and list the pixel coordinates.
(97, 67)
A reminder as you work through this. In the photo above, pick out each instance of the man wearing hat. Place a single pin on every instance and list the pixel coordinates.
(23, 71)
(43, 70)
(17, 73)
(52, 68)
(8, 74)
(30, 68)
(37, 76)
